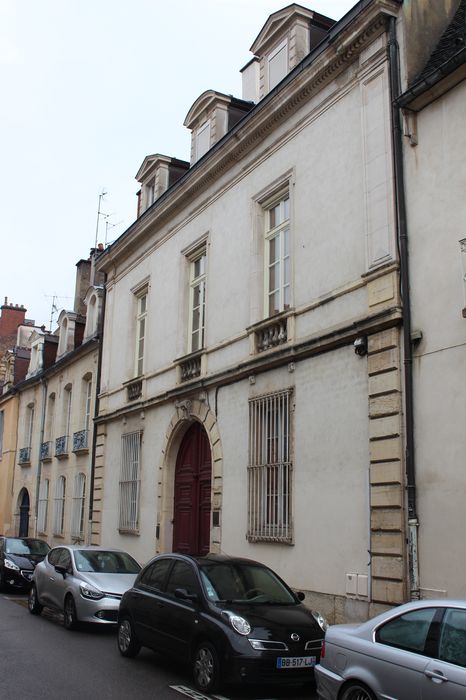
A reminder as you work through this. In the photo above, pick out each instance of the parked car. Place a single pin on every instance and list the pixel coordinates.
(231, 619)
(85, 583)
(18, 558)
(416, 651)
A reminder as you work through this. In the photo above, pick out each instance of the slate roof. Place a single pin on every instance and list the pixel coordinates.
(452, 42)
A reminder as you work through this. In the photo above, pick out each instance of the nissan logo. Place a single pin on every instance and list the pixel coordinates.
(295, 637)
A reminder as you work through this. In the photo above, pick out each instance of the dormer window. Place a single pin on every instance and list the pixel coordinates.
(150, 194)
(202, 140)
(277, 63)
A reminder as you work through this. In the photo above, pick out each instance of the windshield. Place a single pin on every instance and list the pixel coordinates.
(228, 582)
(26, 546)
(100, 562)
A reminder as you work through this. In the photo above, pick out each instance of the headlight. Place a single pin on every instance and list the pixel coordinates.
(238, 623)
(10, 565)
(320, 619)
(88, 591)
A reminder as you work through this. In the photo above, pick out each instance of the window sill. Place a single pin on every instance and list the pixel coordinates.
(271, 332)
(191, 366)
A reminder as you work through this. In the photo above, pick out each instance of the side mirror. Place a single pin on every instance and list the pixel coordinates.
(183, 594)
(61, 570)
(300, 596)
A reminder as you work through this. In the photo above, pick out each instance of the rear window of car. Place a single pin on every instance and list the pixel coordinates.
(102, 562)
(452, 644)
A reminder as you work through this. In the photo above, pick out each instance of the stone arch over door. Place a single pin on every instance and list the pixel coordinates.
(186, 414)
(23, 508)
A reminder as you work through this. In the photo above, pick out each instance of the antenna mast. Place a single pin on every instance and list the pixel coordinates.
(99, 214)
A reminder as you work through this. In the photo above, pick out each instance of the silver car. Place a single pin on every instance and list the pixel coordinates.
(416, 651)
(84, 583)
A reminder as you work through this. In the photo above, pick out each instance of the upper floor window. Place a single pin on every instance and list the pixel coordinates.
(87, 395)
(197, 291)
(68, 395)
(277, 256)
(50, 417)
(202, 140)
(29, 425)
(277, 63)
(149, 191)
(141, 322)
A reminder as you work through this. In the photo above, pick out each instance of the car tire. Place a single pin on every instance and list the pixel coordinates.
(128, 643)
(34, 606)
(357, 691)
(70, 618)
(206, 668)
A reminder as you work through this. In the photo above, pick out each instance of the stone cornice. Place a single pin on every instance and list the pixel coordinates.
(308, 78)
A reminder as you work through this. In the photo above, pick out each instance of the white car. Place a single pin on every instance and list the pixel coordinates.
(415, 651)
(86, 584)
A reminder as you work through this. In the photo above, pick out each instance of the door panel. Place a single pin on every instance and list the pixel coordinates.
(192, 502)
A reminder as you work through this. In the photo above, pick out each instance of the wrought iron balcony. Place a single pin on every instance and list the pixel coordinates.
(24, 456)
(80, 441)
(46, 451)
(61, 446)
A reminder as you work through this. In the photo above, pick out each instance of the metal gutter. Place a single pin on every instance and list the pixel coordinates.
(422, 86)
(402, 229)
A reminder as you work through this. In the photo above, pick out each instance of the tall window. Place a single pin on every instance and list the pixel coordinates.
(202, 140)
(87, 403)
(43, 506)
(49, 426)
(59, 506)
(197, 290)
(77, 514)
(277, 256)
(67, 402)
(278, 64)
(130, 482)
(29, 425)
(270, 468)
(141, 317)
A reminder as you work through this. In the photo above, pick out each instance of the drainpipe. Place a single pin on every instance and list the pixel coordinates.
(400, 200)
(96, 413)
(41, 440)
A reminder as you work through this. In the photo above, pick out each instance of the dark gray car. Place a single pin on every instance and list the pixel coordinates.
(416, 651)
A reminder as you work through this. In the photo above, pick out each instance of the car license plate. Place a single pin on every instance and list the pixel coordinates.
(296, 661)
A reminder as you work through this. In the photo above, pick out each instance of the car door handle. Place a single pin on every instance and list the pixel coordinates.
(436, 676)
(51, 578)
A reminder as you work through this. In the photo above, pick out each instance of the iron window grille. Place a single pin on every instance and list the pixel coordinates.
(130, 482)
(270, 468)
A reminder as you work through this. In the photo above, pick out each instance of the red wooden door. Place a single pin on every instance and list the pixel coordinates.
(193, 475)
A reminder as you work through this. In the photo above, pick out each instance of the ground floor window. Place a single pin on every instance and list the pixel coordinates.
(130, 482)
(270, 468)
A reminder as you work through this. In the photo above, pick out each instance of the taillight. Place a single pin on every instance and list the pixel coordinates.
(322, 651)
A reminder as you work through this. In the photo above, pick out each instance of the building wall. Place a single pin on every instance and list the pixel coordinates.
(334, 150)
(9, 408)
(436, 183)
(75, 457)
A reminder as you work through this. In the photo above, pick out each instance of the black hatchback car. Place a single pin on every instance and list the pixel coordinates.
(18, 559)
(233, 620)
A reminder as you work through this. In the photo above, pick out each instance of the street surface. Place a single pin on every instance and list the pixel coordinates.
(40, 660)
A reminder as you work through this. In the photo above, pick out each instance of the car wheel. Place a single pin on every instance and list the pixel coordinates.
(70, 618)
(34, 607)
(128, 643)
(206, 668)
(357, 691)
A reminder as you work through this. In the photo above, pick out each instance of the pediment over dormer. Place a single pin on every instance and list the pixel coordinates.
(210, 117)
(283, 42)
(156, 174)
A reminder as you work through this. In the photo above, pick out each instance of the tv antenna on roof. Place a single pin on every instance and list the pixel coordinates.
(99, 214)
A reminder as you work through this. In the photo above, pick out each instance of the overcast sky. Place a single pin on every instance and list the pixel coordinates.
(88, 88)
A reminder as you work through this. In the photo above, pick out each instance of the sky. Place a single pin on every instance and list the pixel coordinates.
(88, 88)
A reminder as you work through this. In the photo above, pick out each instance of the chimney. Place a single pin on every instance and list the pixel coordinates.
(11, 317)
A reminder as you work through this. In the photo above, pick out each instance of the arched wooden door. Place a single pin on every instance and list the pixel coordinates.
(24, 515)
(193, 477)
